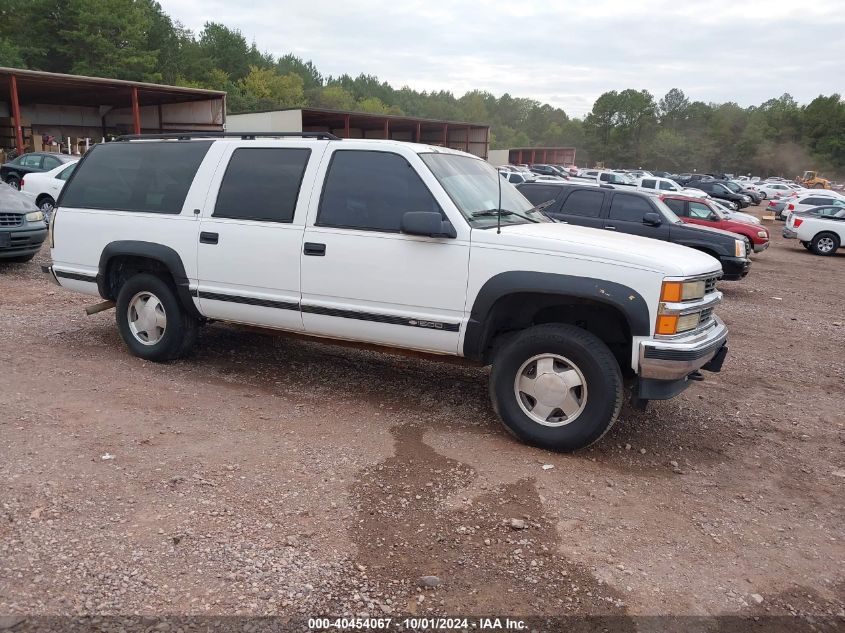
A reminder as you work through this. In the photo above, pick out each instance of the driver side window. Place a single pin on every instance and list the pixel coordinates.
(699, 211)
(371, 191)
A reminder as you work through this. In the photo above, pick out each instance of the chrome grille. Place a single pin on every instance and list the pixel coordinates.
(710, 285)
(11, 219)
(705, 316)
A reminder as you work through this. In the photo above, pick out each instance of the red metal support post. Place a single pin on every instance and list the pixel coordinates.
(445, 135)
(136, 111)
(387, 128)
(466, 140)
(519, 162)
(16, 113)
(544, 156)
(419, 133)
(533, 152)
(345, 126)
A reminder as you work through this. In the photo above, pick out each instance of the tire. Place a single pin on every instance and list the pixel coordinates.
(818, 185)
(46, 204)
(824, 244)
(156, 315)
(764, 195)
(14, 182)
(806, 245)
(749, 246)
(558, 349)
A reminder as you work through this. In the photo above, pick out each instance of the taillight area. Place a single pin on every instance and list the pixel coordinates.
(772, 203)
(23, 182)
(797, 222)
(791, 207)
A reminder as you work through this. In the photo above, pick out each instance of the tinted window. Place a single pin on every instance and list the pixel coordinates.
(262, 183)
(667, 186)
(50, 163)
(630, 208)
(536, 194)
(586, 203)
(372, 190)
(152, 177)
(650, 184)
(65, 173)
(676, 205)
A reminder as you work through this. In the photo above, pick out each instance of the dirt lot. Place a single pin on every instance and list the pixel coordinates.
(270, 476)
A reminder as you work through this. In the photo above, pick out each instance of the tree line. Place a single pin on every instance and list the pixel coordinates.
(137, 40)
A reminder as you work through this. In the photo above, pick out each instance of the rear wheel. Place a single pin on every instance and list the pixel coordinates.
(152, 321)
(556, 386)
(46, 204)
(14, 182)
(749, 246)
(825, 244)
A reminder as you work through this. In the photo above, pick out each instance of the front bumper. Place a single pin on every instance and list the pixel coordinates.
(675, 359)
(21, 242)
(789, 233)
(735, 268)
(759, 248)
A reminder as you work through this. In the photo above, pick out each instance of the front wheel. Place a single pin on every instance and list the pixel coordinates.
(824, 244)
(47, 204)
(14, 182)
(557, 387)
(749, 246)
(152, 321)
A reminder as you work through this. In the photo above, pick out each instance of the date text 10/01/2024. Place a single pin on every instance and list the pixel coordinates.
(417, 624)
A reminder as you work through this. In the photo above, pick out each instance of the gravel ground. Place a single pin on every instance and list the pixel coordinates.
(266, 476)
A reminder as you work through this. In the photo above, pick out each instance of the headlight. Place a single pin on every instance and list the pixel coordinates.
(675, 291)
(746, 198)
(739, 248)
(35, 216)
(669, 324)
(762, 234)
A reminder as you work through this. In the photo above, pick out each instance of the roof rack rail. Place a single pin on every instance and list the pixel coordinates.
(246, 136)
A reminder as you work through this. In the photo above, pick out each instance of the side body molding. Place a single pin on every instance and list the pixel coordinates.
(164, 254)
(627, 300)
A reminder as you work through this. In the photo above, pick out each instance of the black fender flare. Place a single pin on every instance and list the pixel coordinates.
(625, 299)
(150, 250)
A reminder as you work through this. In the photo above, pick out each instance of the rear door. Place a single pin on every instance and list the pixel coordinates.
(626, 215)
(251, 232)
(582, 207)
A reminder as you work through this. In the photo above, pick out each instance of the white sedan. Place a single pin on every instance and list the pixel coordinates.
(46, 186)
(810, 201)
(774, 189)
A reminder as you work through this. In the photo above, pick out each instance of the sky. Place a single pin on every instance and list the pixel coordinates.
(565, 53)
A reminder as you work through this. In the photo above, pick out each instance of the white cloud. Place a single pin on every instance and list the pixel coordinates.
(566, 54)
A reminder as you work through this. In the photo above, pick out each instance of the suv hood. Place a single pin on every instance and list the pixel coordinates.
(628, 250)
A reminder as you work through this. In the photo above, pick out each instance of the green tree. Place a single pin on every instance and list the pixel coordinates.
(270, 90)
(109, 39)
(334, 98)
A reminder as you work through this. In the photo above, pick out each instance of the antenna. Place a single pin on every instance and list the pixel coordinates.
(499, 206)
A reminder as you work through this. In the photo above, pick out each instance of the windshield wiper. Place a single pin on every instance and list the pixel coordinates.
(495, 212)
(540, 209)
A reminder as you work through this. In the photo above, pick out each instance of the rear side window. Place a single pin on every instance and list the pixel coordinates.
(536, 194)
(30, 160)
(676, 205)
(667, 186)
(372, 191)
(630, 208)
(262, 183)
(586, 203)
(151, 177)
(66, 172)
(50, 163)
(649, 184)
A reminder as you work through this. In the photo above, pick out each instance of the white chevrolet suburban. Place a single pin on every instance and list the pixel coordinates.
(394, 244)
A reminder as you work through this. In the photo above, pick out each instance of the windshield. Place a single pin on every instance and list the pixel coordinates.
(666, 211)
(733, 186)
(473, 186)
(716, 208)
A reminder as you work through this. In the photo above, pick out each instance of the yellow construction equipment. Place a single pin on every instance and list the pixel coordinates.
(812, 181)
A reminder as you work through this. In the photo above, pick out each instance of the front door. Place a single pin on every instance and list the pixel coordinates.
(250, 235)
(364, 280)
(626, 215)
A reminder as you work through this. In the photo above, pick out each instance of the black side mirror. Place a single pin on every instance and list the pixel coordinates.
(652, 219)
(428, 223)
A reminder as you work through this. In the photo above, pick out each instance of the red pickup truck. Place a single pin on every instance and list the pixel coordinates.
(699, 211)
